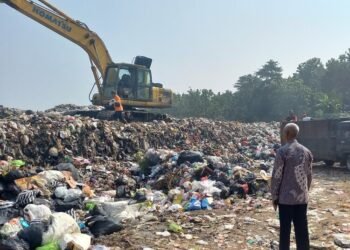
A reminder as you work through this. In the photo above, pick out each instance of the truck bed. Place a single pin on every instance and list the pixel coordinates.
(319, 136)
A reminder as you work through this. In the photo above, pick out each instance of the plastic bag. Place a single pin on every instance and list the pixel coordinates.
(205, 187)
(14, 244)
(159, 197)
(89, 205)
(77, 241)
(13, 175)
(26, 197)
(52, 175)
(68, 167)
(33, 234)
(175, 208)
(174, 193)
(194, 204)
(36, 212)
(17, 163)
(49, 246)
(4, 167)
(61, 192)
(72, 194)
(155, 170)
(205, 203)
(215, 161)
(61, 206)
(11, 228)
(175, 228)
(121, 210)
(7, 211)
(152, 157)
(60, 224)
(190, 156)
(24, 223)
(100, 225)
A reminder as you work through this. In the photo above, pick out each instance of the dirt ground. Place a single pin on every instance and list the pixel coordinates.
(248, 224)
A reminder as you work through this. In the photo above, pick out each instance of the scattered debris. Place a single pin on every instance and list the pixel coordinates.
(342, 240)
(184, 180)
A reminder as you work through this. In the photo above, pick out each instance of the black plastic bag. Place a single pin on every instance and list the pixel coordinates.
(7, 214)
(12, 176)
(62, 206)
(190, 156)
(101, 225)
(33, 235)
(69, 167)
(14, 244)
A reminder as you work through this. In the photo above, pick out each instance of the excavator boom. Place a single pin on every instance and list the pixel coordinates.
(76, 31)
(132, 82)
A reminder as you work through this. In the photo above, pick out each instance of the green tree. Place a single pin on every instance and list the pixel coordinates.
(311, 73)
(266, 95)
(337, 78)
(270, 72)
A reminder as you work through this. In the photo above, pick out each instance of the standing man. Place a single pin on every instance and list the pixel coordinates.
(291, 180)
(117, 105)
(292, 117)
(306, 117)
(117, 102)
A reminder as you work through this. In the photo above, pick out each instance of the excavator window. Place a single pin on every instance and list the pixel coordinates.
(129, 83)
(110, 83)
(111, 76)
(143, 78)
(126, 83)
(144, 87)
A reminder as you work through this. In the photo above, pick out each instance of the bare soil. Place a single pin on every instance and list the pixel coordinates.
(248, 224)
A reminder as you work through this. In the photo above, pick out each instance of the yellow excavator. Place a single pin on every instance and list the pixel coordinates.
(132, 82)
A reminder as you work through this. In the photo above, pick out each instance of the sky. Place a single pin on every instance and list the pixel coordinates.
(193, 43)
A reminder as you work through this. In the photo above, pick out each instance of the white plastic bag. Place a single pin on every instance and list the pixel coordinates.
(60, 224)
(36, 212)
(121, 210)
(77, 241)
(205, 187)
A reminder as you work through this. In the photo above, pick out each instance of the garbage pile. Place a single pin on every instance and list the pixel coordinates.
(66, 180)
(6, 112)
(72, 107)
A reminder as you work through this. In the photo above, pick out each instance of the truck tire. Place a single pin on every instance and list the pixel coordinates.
(329, 163)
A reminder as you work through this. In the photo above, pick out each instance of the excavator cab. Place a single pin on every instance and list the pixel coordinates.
(130, 82)
(133, 83)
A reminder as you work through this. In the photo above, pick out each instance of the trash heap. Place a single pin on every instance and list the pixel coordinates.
(65, 181)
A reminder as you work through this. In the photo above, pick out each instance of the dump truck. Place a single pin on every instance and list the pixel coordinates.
(131, 81)
(328, 139)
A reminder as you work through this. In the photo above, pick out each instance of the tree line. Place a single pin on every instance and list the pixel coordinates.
(317, 89)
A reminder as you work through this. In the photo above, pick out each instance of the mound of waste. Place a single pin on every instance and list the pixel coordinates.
(66, 180)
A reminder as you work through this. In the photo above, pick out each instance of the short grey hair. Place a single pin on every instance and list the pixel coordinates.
(292, 129)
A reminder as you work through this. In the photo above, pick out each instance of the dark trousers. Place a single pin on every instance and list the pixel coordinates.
(297, 215)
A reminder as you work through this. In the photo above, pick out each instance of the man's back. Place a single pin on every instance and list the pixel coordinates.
(291, 178)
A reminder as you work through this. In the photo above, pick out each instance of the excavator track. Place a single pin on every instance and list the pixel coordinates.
(125, 116)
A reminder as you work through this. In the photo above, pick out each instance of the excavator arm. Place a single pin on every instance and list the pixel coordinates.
(132, 81)
(75, 31)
